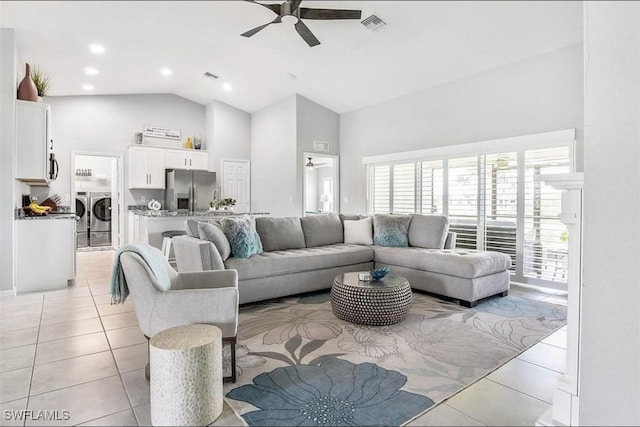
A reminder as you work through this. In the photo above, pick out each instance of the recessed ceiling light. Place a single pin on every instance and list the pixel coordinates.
(87, 87)
(96, 48)
(90, 71)
(227, 87)
(166, 71)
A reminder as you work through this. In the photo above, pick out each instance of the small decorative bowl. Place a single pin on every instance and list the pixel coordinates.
(379, 273)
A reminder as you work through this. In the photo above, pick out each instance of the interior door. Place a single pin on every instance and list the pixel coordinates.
(236, 183)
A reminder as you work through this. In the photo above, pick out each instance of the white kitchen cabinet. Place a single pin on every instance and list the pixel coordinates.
(146, 167)
(186, 159)
(33, 142)
(45, 253)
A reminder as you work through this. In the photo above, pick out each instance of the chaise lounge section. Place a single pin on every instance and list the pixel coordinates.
(305, 254)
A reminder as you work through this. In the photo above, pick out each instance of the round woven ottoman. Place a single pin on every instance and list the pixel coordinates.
(186, 376)
(375, 303)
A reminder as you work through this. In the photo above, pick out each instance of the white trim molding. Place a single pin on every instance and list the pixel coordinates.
(538, 140)
(566, 399)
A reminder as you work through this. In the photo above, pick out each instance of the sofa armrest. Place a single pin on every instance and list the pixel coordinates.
(213, 279)
(196, 254)
(450, 243)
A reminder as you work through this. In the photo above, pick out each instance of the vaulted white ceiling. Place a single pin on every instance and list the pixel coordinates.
(424, 45)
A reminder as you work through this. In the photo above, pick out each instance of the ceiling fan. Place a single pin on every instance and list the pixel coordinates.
(292, 8)
(310, 164)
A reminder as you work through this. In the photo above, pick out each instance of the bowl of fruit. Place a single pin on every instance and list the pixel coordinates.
(34, 209)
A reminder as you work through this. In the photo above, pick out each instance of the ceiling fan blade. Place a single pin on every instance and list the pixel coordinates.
(261, 27)
(294, 5)
(306, 13)
(274, 7)
(306, 34)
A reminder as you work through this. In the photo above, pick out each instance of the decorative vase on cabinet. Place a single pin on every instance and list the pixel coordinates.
(27, 90)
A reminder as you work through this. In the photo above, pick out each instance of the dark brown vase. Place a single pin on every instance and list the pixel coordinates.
(27, 90)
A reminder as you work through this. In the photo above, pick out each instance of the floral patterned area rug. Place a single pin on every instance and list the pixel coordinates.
(300, 365)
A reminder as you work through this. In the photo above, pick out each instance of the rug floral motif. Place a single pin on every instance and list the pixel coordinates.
(298, 364)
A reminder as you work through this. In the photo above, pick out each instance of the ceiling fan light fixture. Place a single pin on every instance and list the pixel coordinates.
(291, 10)
(309, 164)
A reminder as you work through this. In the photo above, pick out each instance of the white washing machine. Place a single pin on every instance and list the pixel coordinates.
(82, 213)
(100, 219)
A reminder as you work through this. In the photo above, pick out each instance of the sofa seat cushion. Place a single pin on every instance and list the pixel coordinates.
(299, 260)
(464, 263)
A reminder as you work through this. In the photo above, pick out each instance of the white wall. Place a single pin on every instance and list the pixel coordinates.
(107, 124)
(228, 135)
(280, 134)
(536, 95)
(9, 60)
(274, 158)
(610, 372)
(313, 123)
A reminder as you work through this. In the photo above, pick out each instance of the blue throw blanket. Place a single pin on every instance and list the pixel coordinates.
(119, 289)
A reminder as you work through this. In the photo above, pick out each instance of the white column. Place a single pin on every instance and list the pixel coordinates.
(566, 397)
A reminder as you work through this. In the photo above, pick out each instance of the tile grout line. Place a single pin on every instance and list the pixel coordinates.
(113, 357)
(33, 364)
(518, 391)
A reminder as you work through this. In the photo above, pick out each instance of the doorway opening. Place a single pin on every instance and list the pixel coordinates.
(96, 186)
(320, 184)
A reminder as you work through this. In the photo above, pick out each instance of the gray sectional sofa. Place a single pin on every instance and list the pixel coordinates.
(305, 254)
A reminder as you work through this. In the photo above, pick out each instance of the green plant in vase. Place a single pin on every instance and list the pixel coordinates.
(41, 80)
(228, 203)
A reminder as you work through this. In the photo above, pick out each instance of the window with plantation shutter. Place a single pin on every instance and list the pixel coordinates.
(380, 190)
(491, 195)
(463, 200)
(431, 187)
(545, 248)
(404, 188)
(501, 204)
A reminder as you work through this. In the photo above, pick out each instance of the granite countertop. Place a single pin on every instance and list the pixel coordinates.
(66, 215)
(165, 213)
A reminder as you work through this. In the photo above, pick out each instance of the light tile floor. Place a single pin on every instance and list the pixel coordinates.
(71, 350)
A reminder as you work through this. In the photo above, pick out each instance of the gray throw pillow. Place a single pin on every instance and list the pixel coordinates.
(391, 230)
(320, 230)
(214, 234)
(278, 234)
(428, 231)
(242, 236)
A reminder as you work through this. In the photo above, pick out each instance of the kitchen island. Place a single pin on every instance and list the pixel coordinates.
(146, 226)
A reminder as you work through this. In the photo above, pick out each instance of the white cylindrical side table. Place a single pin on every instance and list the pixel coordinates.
(186, 376)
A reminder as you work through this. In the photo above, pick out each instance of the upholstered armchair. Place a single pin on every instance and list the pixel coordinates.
(209, 297)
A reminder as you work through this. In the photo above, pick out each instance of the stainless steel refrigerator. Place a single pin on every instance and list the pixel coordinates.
(189, 191)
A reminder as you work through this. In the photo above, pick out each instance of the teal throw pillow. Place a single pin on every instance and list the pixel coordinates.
(242, 236)
(391, 230)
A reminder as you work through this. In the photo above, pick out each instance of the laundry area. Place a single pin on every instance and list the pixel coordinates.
(95, 195)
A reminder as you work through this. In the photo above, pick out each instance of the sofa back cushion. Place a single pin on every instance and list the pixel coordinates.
(428, 231)
(278, 234)
(242, 236)
(320, 230)
(359, 231)
(191, 225)
(391, 230)
(214, 234)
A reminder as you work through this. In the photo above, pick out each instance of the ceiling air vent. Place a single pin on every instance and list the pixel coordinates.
(211, 75)
(374, 22)
(320, 146)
